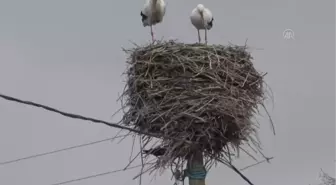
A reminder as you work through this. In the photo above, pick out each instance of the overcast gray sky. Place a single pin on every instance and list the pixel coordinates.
(67, 54)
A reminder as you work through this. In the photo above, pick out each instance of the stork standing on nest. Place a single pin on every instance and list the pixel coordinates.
(153, 13)
(202, 19)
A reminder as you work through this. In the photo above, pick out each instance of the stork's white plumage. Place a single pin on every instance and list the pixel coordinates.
(153, 13)
(202, 19)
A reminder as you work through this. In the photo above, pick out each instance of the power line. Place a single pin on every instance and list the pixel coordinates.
(59, 150)
(265, 160)
(115, 125)
(235, 170)
(96, 175)
(111, 172)
(75, 116)
(87, 177)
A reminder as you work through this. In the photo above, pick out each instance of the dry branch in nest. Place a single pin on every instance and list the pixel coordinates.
(327, 179)
(193, 97)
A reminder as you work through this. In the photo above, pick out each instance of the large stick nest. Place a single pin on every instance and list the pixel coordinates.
(193, 97)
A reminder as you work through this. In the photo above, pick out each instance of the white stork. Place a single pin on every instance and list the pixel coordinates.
(202, 19)
(153, 13)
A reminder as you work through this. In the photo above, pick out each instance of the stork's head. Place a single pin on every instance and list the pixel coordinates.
(200, 8)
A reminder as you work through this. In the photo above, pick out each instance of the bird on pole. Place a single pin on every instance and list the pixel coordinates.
(158, 151)
(152, 14)
(202, 19)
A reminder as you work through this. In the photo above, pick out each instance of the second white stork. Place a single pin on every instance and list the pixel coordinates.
(153, 13)
(202, 19)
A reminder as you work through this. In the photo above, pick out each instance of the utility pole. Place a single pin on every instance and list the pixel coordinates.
(196, 171)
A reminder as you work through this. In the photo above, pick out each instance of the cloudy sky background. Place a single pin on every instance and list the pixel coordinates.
(67, 54)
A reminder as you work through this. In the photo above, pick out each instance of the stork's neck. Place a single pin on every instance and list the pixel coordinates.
(154, 2)
(202, 16)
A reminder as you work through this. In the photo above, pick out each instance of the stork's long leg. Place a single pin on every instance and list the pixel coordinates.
(206, 36)
(152, 33)
(199, 36)
(205, 30)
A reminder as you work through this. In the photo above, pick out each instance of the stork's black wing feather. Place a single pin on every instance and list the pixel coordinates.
(210, 24)
(143, 16)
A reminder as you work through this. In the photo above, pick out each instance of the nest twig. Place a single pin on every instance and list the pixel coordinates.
(195, 97)
(327, 179)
